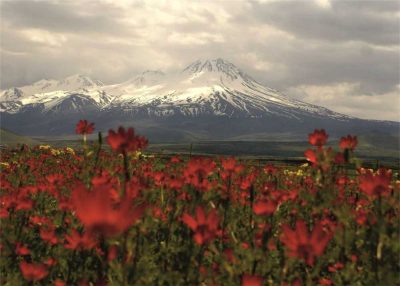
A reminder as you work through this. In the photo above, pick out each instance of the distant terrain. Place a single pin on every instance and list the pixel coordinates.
(372, 149)
(9, 138)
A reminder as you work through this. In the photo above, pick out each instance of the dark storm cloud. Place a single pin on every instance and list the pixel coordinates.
(367, 21)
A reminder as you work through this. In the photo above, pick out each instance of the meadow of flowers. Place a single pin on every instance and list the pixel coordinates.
(108, 214)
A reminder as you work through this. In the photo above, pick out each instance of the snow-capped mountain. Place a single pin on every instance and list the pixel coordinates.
(71, 83)
(48, 93)
(211, 87)
(199, 96)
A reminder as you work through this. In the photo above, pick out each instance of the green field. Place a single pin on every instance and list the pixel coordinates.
(373, 150)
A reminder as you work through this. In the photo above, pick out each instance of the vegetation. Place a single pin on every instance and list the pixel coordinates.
(11, 139)
(114, 216)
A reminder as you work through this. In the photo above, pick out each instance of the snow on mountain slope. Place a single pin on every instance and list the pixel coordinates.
(214, 87)
(147, 78)
(49, 92)
(70, 83)
(75, 100)
(205, 87)
(140, 85)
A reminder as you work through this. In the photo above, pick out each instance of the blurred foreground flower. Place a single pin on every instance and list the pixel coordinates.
(305, 245)
(78, 241)
(264, 207)
(98, 212)
(125, 141)
(33, 271)
(318, 138)
(375, 184)
(251, 280)
(205, 227)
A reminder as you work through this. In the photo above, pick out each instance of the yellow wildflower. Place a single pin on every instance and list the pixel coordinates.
(55, 152)
(44, 147)
(4, 164)
(136, 154)
(70, 150)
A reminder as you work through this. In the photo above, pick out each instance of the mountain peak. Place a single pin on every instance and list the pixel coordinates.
(152, 72)
(226, 69)
(42, 81)
(80, 80)
(146, 78)
(211, 65)
(76, 76)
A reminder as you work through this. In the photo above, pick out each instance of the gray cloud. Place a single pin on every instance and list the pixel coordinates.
(348, 98)
(368, 21)
(376, 70)
(288, 45)
(63, 16)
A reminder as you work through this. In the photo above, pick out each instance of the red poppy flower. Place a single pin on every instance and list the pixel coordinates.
(325, 282)
(375, 184)
(19, 200)
(78, 241)
(251, 280)
(99, 213)
(311, 156)
(348, 142)
(335, 267)
(197, 171)
(247, 181)
(33, 271)
(228, 164)
(270, 169)
(159, 178)
(318, 138)
(39, 220)
(84, 127)
(55, 178)
(245, 245)
(125, 141)
(59, 282)
(48, 234)
(175, 183)
(21, 249)
(360, 216)
(305, 245)
(50, 262)
(264, 207)
(175, 159)
(205, 227)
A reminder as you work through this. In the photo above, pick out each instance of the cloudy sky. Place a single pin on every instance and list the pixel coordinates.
(341, 54)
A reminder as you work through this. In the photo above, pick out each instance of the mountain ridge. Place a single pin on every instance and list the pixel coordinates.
(204, 98)
(218, 83)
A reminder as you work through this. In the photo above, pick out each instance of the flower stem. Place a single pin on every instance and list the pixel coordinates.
(126, 172)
